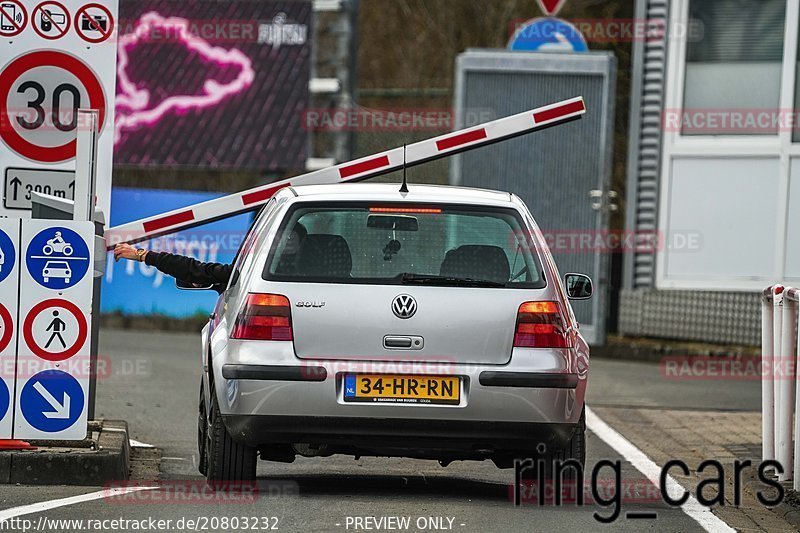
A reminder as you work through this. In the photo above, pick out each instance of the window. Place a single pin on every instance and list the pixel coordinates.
(243, 254)
(386, 244)
(736, 64)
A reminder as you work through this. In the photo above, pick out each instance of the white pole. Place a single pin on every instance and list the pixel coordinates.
(777, 325)
(787, 386)
(767, 392)
(86, 164)
(795, 295)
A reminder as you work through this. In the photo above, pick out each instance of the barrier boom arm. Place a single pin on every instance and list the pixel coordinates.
(360, 169)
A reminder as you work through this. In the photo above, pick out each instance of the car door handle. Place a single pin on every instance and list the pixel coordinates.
(403, 342)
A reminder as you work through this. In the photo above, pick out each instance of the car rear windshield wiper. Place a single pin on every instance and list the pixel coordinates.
(446, 281)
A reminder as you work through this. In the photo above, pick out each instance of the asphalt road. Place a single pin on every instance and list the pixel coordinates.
(152, 382)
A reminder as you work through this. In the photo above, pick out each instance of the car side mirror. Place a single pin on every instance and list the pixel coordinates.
(185, 286)
(579, 287)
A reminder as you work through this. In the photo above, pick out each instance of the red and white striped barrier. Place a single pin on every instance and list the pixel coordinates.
(360, 169)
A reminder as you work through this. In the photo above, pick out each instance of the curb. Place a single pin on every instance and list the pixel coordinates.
(655, 350)
(101, 458)
(788, 509)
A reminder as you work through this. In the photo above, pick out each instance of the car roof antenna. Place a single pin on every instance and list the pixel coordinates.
(404, 187)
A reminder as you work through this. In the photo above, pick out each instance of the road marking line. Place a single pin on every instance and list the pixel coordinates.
(63, 502)
(136, 444)
(699, 513)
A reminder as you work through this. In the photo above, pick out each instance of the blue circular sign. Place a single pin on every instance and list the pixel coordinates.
(8, 256)
(5, 399)
(51, 401)
(548, 35)
(57, 258)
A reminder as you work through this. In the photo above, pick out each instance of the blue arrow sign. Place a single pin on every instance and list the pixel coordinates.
(548, 34)
(52, 401)
(7, 256)
(57, 258)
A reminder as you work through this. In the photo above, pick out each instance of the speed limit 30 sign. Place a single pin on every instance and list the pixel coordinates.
(49, 71)
(39, 93)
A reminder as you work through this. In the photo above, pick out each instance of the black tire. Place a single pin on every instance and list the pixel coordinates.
(576, 447)
(202, 432)
(228, 460)
(573, 450)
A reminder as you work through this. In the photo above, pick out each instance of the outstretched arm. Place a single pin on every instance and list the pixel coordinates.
(183, 268)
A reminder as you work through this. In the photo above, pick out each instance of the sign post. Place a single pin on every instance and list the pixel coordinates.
(62, 58)
(9, 285)
(55, 312)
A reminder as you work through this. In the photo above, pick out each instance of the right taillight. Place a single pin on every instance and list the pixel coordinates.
(264, 317)
(540, 325)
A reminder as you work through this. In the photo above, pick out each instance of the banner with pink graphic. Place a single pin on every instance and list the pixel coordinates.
(202, 83)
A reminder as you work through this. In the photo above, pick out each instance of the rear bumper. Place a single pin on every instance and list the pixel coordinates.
(381, 435)
(315, 374)
(271, 397)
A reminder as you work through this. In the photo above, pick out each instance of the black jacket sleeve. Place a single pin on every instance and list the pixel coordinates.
(190, 270)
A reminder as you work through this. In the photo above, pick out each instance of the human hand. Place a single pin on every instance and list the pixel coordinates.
(125, 251)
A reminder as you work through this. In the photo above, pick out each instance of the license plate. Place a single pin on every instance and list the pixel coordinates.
(402, 389)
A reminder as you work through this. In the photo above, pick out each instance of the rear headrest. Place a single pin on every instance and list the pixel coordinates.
(324, 256)
(487, 263)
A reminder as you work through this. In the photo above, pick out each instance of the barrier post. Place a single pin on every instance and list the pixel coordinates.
(786, 384)
(767, 392)
(777, 329)
(794, 295)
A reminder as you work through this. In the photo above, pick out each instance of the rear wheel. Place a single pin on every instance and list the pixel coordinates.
(576, 447)
(573, 451)
(227, 459)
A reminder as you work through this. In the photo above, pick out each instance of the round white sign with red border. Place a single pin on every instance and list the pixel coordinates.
(55, 329)
(94, 23)
(6, 327)
(39, 95)
(51, 20)
(13, 18)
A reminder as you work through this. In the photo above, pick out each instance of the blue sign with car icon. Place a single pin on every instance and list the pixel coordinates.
(7, 256)
(57, 258)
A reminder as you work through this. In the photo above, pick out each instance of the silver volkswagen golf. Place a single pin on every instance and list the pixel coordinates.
(363, 320)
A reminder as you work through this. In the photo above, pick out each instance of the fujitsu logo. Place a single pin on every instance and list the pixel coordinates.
(281, 32)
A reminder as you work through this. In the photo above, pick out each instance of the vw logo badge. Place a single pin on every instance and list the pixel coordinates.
(404, 306)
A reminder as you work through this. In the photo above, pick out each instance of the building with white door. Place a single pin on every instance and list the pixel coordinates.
(714, 167)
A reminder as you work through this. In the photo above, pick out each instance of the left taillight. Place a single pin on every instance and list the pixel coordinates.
(264, 317)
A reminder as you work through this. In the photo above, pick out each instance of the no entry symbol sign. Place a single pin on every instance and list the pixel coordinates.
(13, 18)
(94, 23)
(6, 327)
(55, 329)
(51, 20)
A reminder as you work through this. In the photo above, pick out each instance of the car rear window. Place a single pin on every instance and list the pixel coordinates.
(392, 244)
